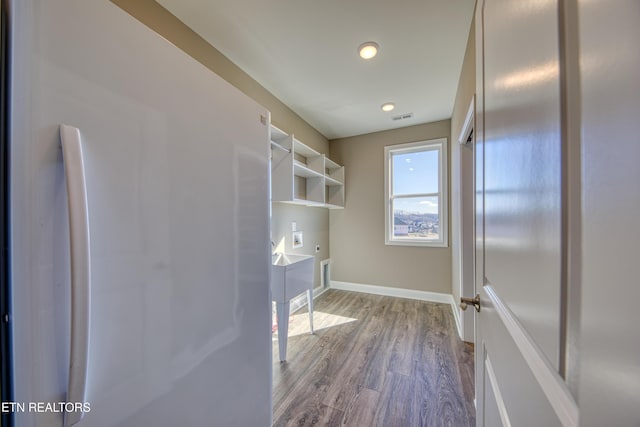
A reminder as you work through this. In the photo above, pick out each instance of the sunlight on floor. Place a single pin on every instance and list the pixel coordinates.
(299, 322)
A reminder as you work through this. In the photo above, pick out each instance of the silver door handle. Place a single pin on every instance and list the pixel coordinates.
(475, 302)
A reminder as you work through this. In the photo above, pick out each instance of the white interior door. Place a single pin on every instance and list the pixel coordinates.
(520, 329)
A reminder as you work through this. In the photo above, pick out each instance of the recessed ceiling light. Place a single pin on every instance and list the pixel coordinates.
(388, 106)
(368, 50)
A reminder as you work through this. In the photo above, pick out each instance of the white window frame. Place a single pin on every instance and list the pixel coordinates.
(439, 144)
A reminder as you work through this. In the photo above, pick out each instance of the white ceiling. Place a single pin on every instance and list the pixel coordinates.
(305, 53)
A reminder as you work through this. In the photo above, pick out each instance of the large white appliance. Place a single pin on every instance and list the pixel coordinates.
(166, 317)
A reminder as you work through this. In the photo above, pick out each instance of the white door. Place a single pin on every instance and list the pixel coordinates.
(519, 190)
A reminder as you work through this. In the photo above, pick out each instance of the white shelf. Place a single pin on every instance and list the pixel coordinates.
(308, 203)
(303, 150)
(331, 182)
(300, 169)
(330, 164)
(278, 136)
(333, 206)
(303, 202)
(300, 175)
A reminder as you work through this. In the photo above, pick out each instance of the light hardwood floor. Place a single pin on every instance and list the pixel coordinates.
(374, 361)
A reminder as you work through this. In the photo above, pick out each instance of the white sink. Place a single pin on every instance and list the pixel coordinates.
(291, 275)
(283, 260)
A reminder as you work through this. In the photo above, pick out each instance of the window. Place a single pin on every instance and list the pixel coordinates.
(416, 193)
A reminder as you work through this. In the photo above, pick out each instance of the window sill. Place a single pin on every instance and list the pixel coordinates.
(426, 244)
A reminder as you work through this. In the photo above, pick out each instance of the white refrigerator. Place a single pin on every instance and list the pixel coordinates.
(140, 253)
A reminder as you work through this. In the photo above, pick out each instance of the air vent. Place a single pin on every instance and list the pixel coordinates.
(402, 116)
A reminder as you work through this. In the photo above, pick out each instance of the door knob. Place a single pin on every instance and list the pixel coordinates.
(475, 302)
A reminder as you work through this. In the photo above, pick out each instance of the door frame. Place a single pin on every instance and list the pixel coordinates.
(466, 253)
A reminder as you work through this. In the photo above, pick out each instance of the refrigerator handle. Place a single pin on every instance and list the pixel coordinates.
(80, 270)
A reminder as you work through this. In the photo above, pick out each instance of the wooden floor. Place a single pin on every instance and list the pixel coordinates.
(374, 361)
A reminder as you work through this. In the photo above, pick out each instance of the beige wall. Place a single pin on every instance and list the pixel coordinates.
(462, 192)
(164, 23)
(358, 252)
(313, 221)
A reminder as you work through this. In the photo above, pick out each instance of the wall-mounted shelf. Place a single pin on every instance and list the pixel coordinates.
(302, 176)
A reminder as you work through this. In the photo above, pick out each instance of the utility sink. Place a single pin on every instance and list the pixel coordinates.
(283, 260)
(291, 275)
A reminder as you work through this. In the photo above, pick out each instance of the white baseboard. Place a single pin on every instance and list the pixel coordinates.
(301, 300)
(456, 315)
(403, 293)
(319, 291)
(393, 292)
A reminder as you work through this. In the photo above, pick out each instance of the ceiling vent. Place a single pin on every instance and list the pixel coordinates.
(402, 116)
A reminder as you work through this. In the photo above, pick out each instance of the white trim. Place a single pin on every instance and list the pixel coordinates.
(319, 291)
(322, 278)
(297, 302)
(436, 297)
(393, 292)
(553, 386)
(502, 409)
(439, 144)
(300, 301)
(467, 126)
(458, 217)
(456, 315)
(423, 243)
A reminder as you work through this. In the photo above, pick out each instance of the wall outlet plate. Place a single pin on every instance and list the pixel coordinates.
(317, 248)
